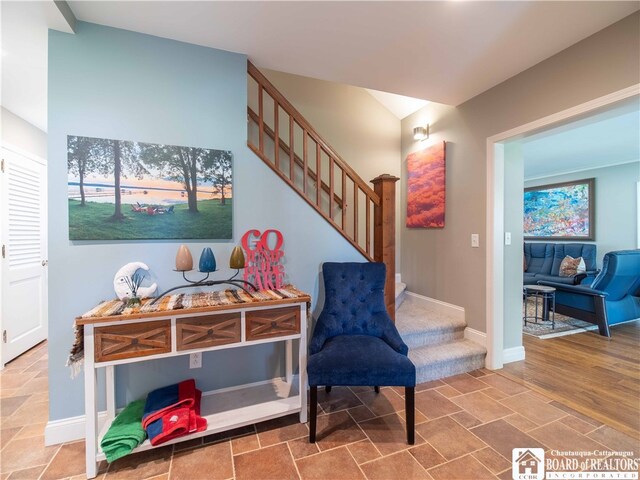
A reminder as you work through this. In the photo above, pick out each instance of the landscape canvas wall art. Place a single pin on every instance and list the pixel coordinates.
(561, 211)
(127, 190)
(426, 187)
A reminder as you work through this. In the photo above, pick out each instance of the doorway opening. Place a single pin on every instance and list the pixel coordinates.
(495, 254)
(578, 369)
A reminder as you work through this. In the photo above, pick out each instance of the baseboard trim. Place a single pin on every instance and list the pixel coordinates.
(69, 429)
(514, 354)
(439, 305)
(475, 336)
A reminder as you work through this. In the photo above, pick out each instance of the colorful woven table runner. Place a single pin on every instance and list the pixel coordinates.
(182, 301)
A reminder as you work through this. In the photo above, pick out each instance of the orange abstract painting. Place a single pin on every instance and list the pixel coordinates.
(426, 187)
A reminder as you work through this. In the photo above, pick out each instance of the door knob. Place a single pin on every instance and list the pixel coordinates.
(45, 263)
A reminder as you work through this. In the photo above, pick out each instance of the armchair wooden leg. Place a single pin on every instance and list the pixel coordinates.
(327, 388)
(601, 315)
(410, 413)
(313, 413)
(377, 389)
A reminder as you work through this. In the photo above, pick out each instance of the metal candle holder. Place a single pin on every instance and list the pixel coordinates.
(207, 260)
(205, 282)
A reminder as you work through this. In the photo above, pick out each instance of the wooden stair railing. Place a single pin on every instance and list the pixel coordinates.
(305, 161)
(298, 161)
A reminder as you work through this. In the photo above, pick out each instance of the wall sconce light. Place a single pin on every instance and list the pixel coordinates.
(421, 133)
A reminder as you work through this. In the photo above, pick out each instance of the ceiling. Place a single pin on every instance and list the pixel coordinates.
(609, 137)
(399, 105)
(24, 57)
(443, 51)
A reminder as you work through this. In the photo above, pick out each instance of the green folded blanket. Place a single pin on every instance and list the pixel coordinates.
(125, 433)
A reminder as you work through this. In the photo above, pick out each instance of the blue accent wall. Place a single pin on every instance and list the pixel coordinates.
(112, 83)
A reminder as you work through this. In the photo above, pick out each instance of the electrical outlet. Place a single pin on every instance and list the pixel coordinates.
(195, 360)
(507, 238)
(475, 240)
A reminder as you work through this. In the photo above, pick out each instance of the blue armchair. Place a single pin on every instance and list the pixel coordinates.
(354, 342)
(614, 296)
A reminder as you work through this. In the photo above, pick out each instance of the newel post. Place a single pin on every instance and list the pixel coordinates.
(384, 235)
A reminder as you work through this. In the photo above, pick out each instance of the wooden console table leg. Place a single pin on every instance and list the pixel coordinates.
(302, 363)
(288, 360)
(90, 409)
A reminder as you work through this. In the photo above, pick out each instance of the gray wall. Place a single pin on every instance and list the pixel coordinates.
(616, 204)
(111, 83)
(441, 263)
(22, 134)
(337, 111)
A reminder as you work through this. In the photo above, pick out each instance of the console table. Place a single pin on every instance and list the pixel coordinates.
(127, 338)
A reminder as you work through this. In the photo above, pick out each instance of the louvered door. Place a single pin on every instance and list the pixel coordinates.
(24, 272)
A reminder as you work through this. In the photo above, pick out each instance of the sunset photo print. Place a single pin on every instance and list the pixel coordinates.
(127, 190)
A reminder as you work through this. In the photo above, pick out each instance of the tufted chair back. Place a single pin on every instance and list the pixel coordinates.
(354, 300)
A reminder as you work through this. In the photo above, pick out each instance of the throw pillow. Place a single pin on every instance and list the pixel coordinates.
(582, 267)
(572, 266)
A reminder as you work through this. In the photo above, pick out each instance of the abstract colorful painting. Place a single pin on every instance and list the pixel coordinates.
(561, 211)
(426, 187)
(125, 190)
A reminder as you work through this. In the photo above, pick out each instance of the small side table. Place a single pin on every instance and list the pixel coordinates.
(547, 295)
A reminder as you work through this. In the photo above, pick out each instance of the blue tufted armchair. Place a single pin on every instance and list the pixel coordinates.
(354, 342)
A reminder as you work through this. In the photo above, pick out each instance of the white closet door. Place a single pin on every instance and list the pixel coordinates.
(24, 255)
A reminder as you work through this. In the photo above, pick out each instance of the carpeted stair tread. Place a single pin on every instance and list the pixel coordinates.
(436, 342)
(415, 319)
(446, 359)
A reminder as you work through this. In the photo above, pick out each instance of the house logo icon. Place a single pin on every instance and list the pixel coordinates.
(528, 463)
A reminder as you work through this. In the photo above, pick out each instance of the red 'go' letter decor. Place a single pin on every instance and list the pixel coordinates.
(263, 263)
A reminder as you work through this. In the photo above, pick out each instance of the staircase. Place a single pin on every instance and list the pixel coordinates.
(364, 216)
(292, 148)
(435, 338)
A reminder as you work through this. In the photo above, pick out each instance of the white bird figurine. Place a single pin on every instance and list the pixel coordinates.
(121, 286)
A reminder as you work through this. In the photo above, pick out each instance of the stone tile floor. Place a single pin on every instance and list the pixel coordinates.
(466, 428)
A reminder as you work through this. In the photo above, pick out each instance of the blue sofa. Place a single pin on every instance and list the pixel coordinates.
(614, 296)
(543, 262)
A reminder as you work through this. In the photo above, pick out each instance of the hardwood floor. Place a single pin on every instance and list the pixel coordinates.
(596, 376)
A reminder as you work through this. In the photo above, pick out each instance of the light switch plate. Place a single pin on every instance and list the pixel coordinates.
(475, 240)
(507, 238)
